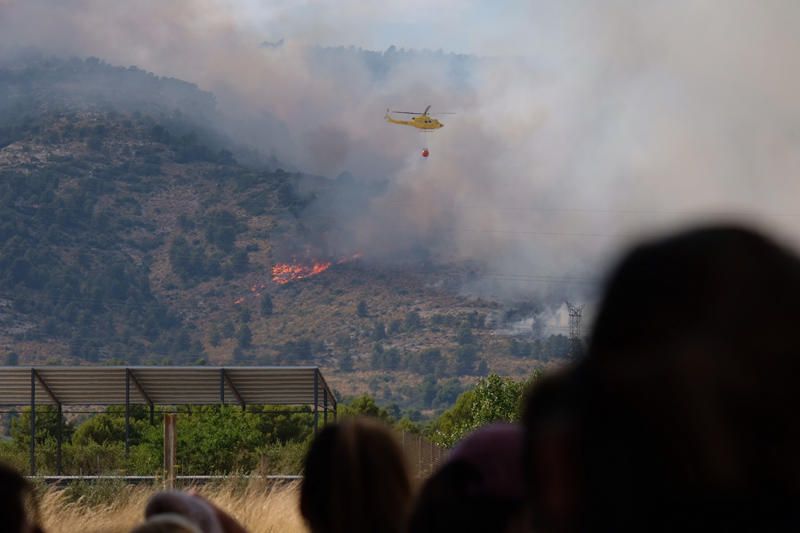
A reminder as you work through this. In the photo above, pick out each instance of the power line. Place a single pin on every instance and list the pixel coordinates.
(575, 317)
(478, 207)
(603, 210)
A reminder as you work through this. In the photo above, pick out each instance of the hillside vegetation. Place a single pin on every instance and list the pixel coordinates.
(132, 233)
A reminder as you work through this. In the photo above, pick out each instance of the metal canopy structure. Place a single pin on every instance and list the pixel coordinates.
(167, 386)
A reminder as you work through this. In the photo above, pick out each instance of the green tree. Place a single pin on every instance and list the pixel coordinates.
(238, 354)
(519, 349)
(391, 359)
(361, 309)
(221, 229)
(278, 425)
(218, 439)
(378, 331)
(266, 305)
(244, 336)
(428, 390)
(108, 427)
(395, 327)
(376, 360)
(240, 261)
(464, 335)
(365, 406)
(466, 356)
(215, 337)
(447, 393)
(300, 350)
(412, 321)
(427, 361)
(46, 427)
(346, 362)
(494, 399)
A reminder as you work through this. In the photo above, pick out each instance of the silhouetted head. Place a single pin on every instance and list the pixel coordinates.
(163, 507)
(355, 480)
(479, 487)
(18, 508)
(551, 455)
(167, 523)
(684, 407)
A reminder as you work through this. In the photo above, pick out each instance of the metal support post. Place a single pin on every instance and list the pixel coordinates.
(33, 422)
(419, 455)
(227, 379)
(132, 377)
(127, 414)
(316, 401)
(222, 386)
(170, 450)
(59, 439)
(325, 408)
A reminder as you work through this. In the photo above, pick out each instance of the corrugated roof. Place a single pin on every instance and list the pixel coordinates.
(174, 385)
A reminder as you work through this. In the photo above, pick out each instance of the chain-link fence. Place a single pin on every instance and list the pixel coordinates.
(422, 455)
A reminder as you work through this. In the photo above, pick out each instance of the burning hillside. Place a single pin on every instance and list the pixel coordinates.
(283, 273)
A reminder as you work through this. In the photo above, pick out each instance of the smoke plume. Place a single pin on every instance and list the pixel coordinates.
(580, 125)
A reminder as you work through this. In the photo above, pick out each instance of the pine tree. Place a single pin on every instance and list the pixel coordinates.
(244, 336)
(266, 305)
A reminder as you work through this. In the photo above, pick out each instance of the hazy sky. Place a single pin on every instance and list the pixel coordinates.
(480, 27)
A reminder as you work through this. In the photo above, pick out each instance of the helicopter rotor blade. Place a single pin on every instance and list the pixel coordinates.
(426, 110)
(405, 113)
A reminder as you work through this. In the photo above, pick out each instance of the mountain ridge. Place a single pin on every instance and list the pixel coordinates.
(135, 236)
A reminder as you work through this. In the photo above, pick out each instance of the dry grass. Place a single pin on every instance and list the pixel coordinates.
(259, 508)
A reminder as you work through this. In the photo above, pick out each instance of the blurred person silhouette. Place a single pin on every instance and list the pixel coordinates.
(682, 415)
(355, 480)
(19, 510)
(167, 523)
(177, 510)
(479, 488)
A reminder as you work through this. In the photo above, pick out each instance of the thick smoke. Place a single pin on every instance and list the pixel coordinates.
(584, 125)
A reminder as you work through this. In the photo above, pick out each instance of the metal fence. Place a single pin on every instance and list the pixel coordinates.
(179, 481)
(422, 455)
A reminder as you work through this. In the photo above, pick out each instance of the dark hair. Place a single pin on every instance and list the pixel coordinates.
(17, 502)
(685, 406)
(550, 421)
(479, 488)
(355, 480)
(451, 500)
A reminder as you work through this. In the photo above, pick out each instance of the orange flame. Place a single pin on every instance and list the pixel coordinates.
(283, 273)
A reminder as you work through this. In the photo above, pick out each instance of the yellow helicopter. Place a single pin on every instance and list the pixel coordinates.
(422, 121)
